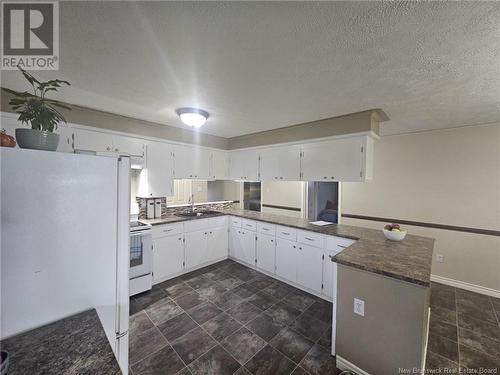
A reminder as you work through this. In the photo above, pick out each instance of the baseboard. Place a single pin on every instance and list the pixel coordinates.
(467, 286)
(344, 365)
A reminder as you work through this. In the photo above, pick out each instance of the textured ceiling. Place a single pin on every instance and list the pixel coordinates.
(262, 65)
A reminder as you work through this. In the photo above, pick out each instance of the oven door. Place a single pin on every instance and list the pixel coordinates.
(141, 252)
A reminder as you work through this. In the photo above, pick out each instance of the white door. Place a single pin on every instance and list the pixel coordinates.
(195, 248)
(280, 164)
(266, 252)
(286, 259)
(329, 274)
(217, 244)
(128, 145)
(244, 165)
(191, 162)
(219, 165)
(309, 267)
(248, 246)
(158, 180)
(89, 140)
(168, 257)
(335, 160)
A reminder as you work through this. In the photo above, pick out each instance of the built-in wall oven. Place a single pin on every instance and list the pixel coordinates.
(141, 257)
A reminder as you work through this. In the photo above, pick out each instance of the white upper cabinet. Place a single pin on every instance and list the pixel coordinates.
(218, 165)
(128, 145)
(244, 165)
(90, 140)
(335, 160)
(280, 163)
(191, 162)
(157, 180)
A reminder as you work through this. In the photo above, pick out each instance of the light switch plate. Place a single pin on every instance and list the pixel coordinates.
(359, 307)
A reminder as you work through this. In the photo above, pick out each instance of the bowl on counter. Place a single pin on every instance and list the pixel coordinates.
(393, 235)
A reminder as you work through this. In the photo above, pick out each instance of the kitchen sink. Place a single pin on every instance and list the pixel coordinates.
(198, 213)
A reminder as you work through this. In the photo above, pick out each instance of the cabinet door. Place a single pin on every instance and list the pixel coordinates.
(286, 259)
(128, 145)
(244, 165)
(65, 138)
(309, 267)
(280, 163)
(329, 274)
(191, 162)
(89, 140)
(266, 252)
(158, 180)
(248, 246)
(335, 160)
(168, 257)
(195, 248)
(217, 243)
(218, 165)
(235, 244)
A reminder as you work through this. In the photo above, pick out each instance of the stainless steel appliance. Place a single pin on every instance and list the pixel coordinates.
(141, 257)
(251, 196)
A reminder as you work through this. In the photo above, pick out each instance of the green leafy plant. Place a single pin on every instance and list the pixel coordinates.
(35, 109)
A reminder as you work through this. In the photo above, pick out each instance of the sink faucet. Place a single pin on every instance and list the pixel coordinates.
(191, 200)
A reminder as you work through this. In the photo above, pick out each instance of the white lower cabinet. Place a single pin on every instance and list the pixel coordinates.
(168, 257)
(217, 243)
(266, 252)
(248, 246)
(235, 246)
(195, 248)
(309, 265)
(329, 274)
(286, 259)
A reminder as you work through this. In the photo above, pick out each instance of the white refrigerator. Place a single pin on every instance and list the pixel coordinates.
(65, 241)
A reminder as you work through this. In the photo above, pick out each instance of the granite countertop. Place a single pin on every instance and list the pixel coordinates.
(409, 260)
(73, 345)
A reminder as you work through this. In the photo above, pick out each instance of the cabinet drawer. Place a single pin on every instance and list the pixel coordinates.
(249, 224)
(216, 222)
(286, 232)
(196, 224)
(311, 238)
(333, 243)
(166, 230)
(266, 228)
(235, 221)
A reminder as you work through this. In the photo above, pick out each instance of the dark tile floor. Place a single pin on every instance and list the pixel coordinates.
(229, 319)
(464, 331)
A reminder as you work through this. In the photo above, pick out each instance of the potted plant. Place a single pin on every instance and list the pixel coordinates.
(37, 111)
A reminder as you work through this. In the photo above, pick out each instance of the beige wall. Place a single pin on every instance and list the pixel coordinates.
(446, 177)
(282, 193)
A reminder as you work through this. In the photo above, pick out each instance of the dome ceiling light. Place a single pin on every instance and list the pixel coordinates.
(193, 117)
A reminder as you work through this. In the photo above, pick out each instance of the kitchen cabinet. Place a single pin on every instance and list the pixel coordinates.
(218, 165)
(90, 140)
(157, 179)
(168, 257)
(191, 162)
(235, 245)
(248, 246)
(195, 248)
(217, 243)
(334, 160)
(244, 165)
(308, 265)
(265, 252)
(128, 145)
(286, 259)
(329, 274)
(280, 163)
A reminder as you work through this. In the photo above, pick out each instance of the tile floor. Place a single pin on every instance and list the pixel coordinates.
(229, 319)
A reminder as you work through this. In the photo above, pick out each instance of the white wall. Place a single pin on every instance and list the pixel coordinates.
(447, 177)
(282, 193)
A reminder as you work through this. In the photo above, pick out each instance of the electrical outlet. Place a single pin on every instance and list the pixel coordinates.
(359, 307)
(439, 258)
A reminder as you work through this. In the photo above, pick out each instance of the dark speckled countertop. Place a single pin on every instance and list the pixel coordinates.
(73, 345)
(409, 260)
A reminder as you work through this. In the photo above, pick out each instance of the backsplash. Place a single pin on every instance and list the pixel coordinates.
(173, 210)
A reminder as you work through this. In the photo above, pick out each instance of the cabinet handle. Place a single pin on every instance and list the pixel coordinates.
(294, 247)
(300, 248)
(210, 232)
(272, 240)
(333, 178)
(310, 239)
(285, 233)
(116, 149)
(108, 148)
(168, 230)
(325, 177)
(265, 229)
(343, 247)
(180, 238)
(281, 178)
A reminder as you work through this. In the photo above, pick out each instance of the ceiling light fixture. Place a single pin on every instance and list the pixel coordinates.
(193, 117)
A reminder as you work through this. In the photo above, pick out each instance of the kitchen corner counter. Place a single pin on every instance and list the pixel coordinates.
(73, 345)
(409, 260)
